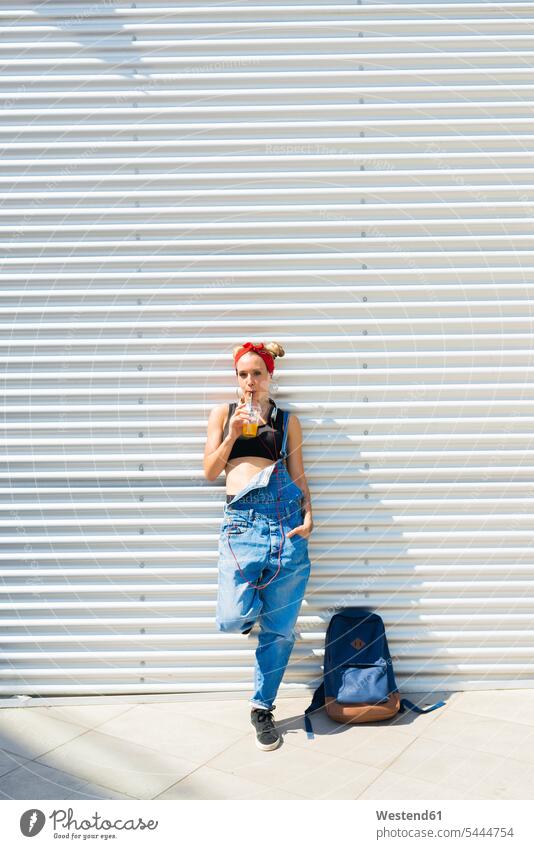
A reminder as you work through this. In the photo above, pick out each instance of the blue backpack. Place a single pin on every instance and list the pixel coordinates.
(358, 682)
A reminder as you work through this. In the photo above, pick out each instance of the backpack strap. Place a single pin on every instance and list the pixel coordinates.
(406, 704)
(317, 703)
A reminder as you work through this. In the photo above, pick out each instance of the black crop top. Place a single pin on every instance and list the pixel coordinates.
(267, 443)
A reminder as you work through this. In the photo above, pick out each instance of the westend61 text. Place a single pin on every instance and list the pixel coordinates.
(408, 815)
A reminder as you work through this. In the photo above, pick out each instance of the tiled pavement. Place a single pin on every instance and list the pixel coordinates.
(479, 746)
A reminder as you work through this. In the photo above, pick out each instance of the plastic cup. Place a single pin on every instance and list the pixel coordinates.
(250, 428)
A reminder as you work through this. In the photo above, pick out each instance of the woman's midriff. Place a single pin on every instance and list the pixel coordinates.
(240, 471)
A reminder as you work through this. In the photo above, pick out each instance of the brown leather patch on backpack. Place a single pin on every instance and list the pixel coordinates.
(363, 712)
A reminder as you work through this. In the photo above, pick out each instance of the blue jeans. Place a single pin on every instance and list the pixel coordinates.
(251, 533)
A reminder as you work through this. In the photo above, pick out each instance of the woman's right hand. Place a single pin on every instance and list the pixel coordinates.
(240, 417)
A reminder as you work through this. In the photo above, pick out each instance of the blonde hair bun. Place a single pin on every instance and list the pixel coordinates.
(275, 349)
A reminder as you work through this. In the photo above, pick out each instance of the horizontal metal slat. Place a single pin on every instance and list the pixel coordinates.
(268, 27)
(447, 143)
(298, 9)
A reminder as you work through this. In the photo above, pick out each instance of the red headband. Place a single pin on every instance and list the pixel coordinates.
(267, 358)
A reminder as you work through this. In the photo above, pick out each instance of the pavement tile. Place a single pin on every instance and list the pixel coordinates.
(480, 774)
(10, 761)
(119, 764)
(87, 716)
(496, 736)
(31, 734)
(230, 714)
(172, 733)
(311, 774)
(35, 780)
(389, 785)
(509, 705)
(95, 792)
(208, 783)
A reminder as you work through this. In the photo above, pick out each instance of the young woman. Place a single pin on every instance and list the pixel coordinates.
(263, 546)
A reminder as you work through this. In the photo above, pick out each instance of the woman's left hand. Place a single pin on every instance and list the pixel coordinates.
(302, 530)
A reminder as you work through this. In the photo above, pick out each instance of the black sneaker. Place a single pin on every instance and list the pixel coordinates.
(267, 737)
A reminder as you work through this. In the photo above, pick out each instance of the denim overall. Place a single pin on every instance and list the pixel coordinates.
(252, 533)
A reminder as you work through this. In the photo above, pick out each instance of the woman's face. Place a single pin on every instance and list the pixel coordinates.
(253, 376)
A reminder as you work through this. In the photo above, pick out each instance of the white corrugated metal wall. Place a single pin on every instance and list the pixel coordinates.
(354, 180)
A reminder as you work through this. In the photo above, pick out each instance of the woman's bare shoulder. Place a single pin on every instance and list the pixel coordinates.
(294, 427)
(218, 413)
